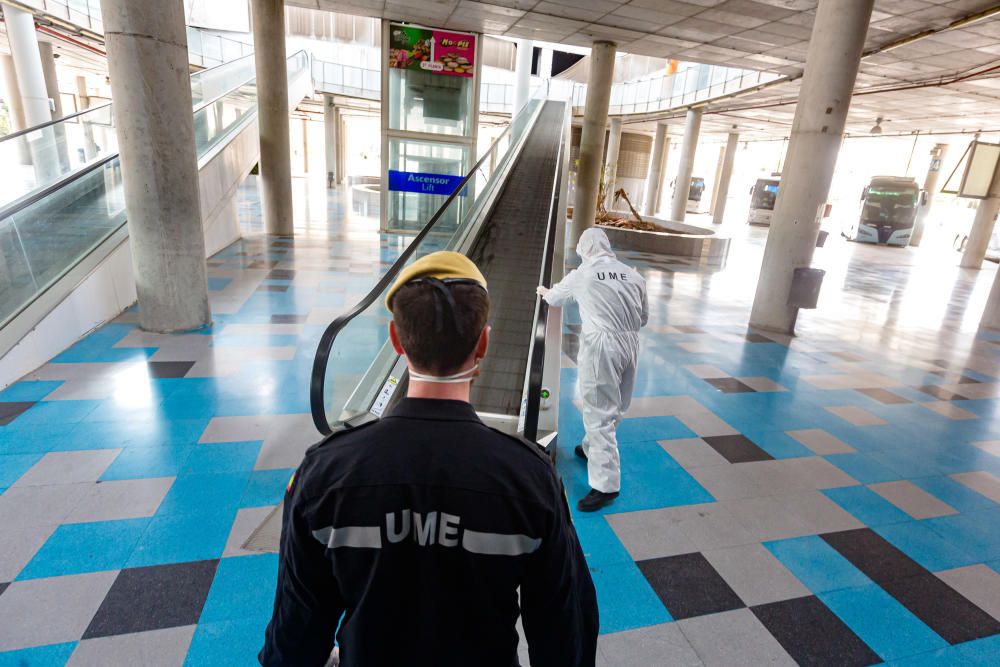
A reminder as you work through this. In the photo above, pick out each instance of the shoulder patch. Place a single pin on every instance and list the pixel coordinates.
(340, 434)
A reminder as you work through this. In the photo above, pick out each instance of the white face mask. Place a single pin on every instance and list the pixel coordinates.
(455, 378)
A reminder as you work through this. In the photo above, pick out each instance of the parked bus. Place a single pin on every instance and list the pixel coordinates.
(763, 194)
(695, 192)
(888, 208)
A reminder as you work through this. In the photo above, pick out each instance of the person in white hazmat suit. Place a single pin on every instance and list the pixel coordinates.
(613, 307)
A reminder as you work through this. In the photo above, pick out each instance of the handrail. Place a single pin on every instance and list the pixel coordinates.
(49, 123)
(536, 364)
(317, 383)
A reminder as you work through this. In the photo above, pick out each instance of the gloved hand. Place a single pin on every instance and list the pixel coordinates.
(541, 290)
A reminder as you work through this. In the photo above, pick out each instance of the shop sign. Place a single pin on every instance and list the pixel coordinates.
(437, 51)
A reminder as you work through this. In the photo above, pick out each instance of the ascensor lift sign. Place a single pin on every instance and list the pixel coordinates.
(437, 51)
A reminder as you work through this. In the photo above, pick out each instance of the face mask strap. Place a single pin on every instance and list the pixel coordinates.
(455, 378)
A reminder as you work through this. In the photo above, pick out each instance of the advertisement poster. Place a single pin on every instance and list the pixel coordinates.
(438, 51)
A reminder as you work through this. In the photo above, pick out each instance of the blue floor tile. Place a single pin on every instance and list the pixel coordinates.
(177, 539)
(139, 462)
(223, 457)
(204, 493)
(866, 505)
(29, 390)
(926, 546)
(954, 493)
(226, 643)
(626, 599)
(863, 468)
(266, 487)
(12, 466)
(53, 655)
(57, 412)
(816, 564)
(882, 622)
(86, 547)
(243, 588)
(638, 429)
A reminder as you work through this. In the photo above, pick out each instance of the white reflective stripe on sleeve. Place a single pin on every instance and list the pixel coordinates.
(497, 544)
(361, 537)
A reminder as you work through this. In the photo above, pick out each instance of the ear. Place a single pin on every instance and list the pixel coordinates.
(394, 338)
(483, 343)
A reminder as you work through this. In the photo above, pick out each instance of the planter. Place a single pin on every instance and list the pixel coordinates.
(682, 240)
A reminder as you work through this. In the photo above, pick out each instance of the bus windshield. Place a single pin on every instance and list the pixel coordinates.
(697, 189)
(896, 205)
(764, 195)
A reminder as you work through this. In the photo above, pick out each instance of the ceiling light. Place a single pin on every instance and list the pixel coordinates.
(877, 128)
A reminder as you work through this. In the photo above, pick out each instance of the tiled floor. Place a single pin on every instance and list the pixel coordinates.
(832, 499)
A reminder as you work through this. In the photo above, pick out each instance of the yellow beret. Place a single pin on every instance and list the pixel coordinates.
(443, 265)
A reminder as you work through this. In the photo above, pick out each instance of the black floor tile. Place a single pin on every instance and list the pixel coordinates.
(814, 635)
(153, 598)
(737, 448)
(3, 587)
(884, 396)
(169, 369)
(9, 411)
(941, 393)
(281, 274)
(272, 288)
(688, 585)
(944, 610)
(965, 379)
(288, 319)
(730, 385)
(872, 554)
(758, 338)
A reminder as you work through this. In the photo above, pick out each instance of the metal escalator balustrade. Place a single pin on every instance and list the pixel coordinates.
(527, 163)
(47, 231)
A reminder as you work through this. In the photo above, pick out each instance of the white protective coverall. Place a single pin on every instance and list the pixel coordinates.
(613, 307)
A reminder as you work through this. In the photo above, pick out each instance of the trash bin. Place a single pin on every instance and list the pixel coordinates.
(805, 287)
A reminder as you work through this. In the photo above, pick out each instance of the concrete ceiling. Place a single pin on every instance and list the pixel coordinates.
(770, 35)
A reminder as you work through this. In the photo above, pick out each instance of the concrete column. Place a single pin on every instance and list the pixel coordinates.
(982, 226)
(13, 98)
(150, 83)
(28, 64)
(595, 119)
(51, 78)
(52, 89)
(838, 36)
(89, 145)
(272, 115)
(611, 161)
(722, 185)
(938, 154)
(331, 140)
(522, 73)
(991, 314)
(11, 94)
(689, 146)
(654, 177)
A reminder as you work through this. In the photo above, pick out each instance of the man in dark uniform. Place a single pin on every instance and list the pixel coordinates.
(423, 535)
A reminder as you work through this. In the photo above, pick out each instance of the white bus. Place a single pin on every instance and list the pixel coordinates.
(763, 194)
(888, 209)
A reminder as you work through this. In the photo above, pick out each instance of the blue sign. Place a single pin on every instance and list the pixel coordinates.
(428, 184)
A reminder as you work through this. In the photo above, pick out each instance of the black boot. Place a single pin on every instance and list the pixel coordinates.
(580, 453)
(595, 500)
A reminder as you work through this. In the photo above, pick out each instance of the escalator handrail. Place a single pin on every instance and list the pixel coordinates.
(317, 382)
(536, 364)
(32, 197)
(81, 112)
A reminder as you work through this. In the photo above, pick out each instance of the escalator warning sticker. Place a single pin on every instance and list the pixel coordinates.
(521, 414)
(383, 396)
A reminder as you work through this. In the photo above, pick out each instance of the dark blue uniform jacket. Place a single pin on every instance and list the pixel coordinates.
(429, 532)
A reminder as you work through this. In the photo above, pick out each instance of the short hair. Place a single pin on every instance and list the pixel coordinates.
(432, 342)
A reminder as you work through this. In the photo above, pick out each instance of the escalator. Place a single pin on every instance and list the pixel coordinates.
(514, 230)
(62, 207)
